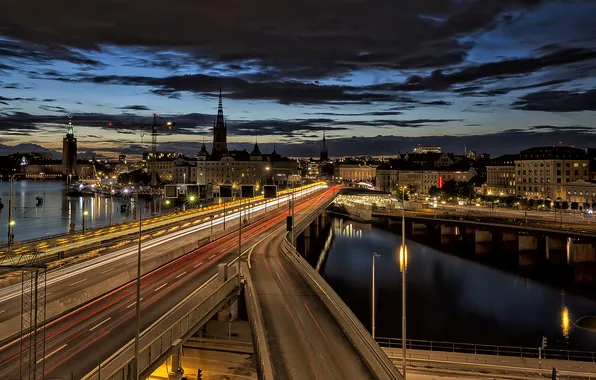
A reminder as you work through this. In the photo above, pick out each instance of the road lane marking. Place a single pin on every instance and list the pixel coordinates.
(181, 274)
(198, 265)
(100, 323)
(134, 303)
(160, 287)
(212, 256)
(2, 311)
(78, 282)
(52, 353)
(106, 271)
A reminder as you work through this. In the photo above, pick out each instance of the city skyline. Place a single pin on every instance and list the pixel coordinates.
(377, 77)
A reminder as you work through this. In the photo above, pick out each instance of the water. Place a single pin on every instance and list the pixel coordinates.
(54, 216)
(450, 298)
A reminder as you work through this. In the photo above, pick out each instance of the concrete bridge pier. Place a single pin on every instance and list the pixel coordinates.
(449, 234)
(418, 228)
(306, 240)
(583, 259)
(528, 247)
(509, 237)
(229, 312)
(484, 241)
(175, 371)
(556, 249)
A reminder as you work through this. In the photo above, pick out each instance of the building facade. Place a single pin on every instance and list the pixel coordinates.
(581, 192)
(543, 172)
(500, 176)
(239, 167)
(356, 172)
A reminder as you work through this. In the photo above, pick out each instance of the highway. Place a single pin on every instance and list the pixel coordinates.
(304, 340)
(78, 341)
(74, 279)
(102, 237)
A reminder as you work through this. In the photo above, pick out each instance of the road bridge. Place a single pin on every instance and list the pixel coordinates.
(79, 340)
(304, 329)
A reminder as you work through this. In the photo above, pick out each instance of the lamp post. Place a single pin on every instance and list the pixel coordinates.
(85, 213)
(138, 291)
(11, 222)
(374, 306)
(239, 234)
(211, 224)
(403, 264)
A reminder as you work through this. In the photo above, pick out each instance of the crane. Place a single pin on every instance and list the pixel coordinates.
(157, 122)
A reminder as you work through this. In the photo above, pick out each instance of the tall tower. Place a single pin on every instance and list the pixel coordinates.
(69, 151)
(220, 145)
(324, 153)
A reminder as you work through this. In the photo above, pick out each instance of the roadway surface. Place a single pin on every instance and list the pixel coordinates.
(101, 238)
(81, 339)
(69, 280)
(304, 340)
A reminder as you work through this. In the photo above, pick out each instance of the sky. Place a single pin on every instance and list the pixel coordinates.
(378, 77)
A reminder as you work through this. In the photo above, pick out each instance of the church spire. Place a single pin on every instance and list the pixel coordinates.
(220, 116)
(324, 153)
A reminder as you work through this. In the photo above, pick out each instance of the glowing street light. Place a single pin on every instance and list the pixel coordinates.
(12, 223)
(167, 202)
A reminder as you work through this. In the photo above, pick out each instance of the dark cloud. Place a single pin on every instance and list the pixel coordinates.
(557, 101)
(300, 39)
(17, 99)
(440, 81)
(285, 128)
(289, 92)
(42, 53)
(465, 91)
(416, 123)
(53, 108)
(134, 107)
(372, 113)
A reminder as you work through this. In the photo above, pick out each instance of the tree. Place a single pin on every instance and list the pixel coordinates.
(433, 191)
(398, 194)
(565, 205)
(574, 205)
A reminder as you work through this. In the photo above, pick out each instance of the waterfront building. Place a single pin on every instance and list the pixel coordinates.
(543, 172)
(500, 176)
(581, 193)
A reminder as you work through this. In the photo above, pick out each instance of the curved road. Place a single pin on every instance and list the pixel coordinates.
(81, 339)
(304, 340)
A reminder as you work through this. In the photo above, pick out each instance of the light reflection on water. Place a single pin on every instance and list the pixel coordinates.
(450, 298)
(57, 211)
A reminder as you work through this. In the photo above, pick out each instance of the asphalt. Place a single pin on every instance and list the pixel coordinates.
(81, 339)
(304, 340)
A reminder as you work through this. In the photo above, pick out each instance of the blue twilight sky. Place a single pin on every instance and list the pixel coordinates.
(377, 76)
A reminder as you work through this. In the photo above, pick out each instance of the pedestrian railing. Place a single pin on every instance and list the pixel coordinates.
(487, 349)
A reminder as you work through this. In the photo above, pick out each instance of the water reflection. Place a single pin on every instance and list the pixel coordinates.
(450, 298)
(565, 322)
(58, 213)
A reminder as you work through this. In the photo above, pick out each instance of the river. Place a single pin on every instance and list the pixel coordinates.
(450, 298)
(55, 214)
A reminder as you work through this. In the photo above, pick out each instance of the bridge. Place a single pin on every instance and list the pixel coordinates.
(194, 269)
(189, 275)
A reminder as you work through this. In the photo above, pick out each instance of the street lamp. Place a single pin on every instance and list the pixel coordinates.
(403, 263)
(85, 213)
(138, 293)
(11, 221)
(374, 306)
